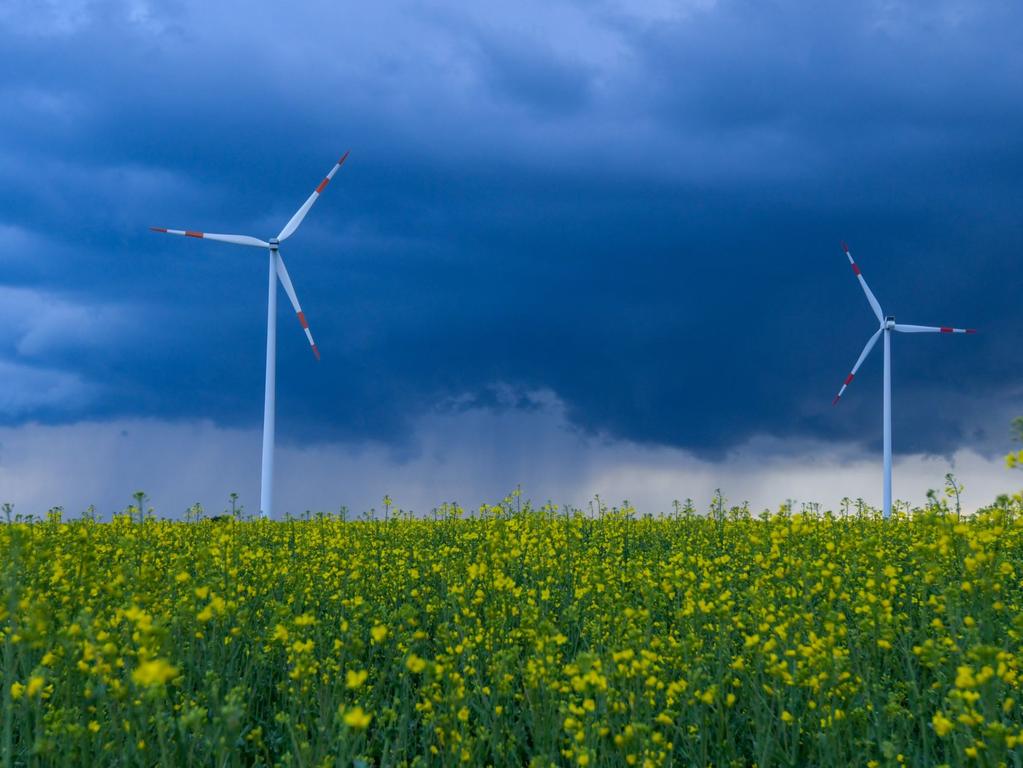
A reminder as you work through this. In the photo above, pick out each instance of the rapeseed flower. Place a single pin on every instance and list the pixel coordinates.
(357, 719)
(154, 672)
(942, 725)
(355, 678)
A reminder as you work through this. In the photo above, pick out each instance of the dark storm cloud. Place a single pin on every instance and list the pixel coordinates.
(524, 73)
(639, 213)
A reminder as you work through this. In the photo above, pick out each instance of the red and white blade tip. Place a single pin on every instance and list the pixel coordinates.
(343, 157)
(845, 247)
(185, 232)
(845, 385)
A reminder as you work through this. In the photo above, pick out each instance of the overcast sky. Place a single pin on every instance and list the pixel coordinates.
(575, 245)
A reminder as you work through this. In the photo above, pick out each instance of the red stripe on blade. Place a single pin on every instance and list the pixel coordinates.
(835, 401)
(301, 319)
(856, 268)
(322, 185)
(316, 352)
(971, 330)
(158, 229)
(947, 330)
(848, 379)
(343, 157)
(193, 234)
(845, 247)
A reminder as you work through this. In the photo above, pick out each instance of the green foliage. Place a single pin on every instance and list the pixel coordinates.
(1015, 458)
(515, 636)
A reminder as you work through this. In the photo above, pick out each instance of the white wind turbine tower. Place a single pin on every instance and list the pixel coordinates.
(277, 271)
(888, 325)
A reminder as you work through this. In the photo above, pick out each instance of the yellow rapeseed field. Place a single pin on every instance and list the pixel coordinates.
(515, 637)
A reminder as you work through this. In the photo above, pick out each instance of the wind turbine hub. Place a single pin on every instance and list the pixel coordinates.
(274, 243)
(889, 322)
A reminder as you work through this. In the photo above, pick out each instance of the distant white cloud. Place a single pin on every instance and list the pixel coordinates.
(61, 106)
(120, 197)
(64, 18)
(471, 456)
(19, 241)
(660, 11)
(45, 18)
(25, 389)
(36, 323)
(38, 328)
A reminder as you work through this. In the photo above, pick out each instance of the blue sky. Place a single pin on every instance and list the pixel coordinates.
(621, 218)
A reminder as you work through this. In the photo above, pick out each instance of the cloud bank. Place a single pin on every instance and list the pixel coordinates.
(466, 455)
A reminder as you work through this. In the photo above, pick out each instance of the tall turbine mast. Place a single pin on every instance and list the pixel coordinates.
(887, 326)
(277, 271)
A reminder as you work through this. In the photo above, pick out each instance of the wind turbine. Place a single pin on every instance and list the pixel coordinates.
(888, 325)
(277, 272)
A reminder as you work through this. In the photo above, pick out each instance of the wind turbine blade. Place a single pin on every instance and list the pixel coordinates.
(236, 239)
(931, 329)
(282, 273)
(292, 225)
(874, 305)
(863, 356)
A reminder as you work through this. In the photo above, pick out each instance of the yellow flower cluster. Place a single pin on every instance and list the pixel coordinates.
(514, 637)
